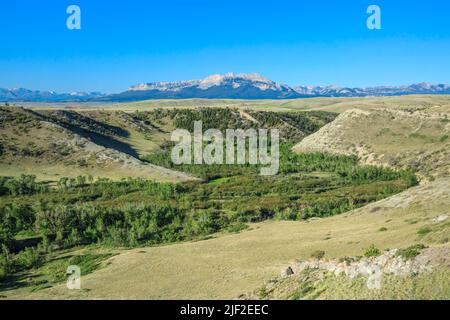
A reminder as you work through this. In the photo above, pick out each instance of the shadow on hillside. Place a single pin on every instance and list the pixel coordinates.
(82, 128)
(105, 141)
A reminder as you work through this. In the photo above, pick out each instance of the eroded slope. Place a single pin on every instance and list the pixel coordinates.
(416, 137)
(34, 144)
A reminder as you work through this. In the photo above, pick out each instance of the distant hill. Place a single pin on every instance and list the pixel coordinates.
(25, 95)
(227, 86)
(333, 91)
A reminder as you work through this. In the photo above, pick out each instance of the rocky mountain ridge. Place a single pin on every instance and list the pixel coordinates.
(226, 86)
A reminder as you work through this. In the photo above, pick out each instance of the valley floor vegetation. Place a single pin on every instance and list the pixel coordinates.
(43, 223)
(37, 219)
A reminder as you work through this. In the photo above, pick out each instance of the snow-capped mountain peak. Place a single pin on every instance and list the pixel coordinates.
(222, 86)
(235, 80)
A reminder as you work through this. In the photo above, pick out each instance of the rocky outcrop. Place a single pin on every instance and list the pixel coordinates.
(389, 262)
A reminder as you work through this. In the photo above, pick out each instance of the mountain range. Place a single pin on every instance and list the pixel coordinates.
(227, 86)
(26, 95)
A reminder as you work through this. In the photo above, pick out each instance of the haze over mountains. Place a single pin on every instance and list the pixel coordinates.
(21, 94)
(227, 86)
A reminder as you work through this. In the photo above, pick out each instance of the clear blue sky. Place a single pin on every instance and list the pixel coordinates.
(122, 43)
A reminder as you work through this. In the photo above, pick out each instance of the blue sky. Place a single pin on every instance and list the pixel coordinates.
(122, 43)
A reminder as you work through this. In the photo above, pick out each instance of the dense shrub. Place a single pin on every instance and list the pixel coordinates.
(5, 265)
(24, 260)
(17, 217)
(23, 185)
(372, 251)
(27, 259)
(6, 237)
(128, 225)
(411, 252)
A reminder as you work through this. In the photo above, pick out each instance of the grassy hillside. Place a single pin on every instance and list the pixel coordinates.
(56, 143)
(50, 147)
(228, 256)
(415, 137)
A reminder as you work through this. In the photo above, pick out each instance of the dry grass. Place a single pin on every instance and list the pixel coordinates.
(326, 104)
(403, 136)
(50, 152)
(231, 264)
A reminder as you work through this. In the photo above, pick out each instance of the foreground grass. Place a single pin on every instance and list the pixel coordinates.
(53, 271)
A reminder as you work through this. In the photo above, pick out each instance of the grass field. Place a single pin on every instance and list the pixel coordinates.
(312, 104)
(226, 265)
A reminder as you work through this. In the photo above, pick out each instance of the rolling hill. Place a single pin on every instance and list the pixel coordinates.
(393, 132)
(52, 145)
(415, 137)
